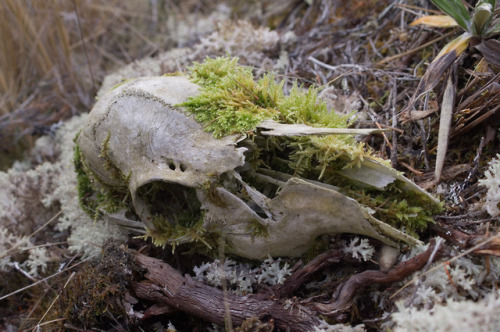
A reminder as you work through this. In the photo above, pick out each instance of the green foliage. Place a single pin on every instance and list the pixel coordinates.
(257, 229)
(477, 23)
(85, 189)
(187, 229)
(232, 102)
(95, 198)
(455, 9)
(410, 213)
(177, 215)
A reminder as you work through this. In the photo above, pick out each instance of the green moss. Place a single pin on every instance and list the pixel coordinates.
(85, 188)
(210, 189)
(166, 233)
(120, 83)
(257, 229)
(93, 195)
(231, 101)
(409, 212)
(177, 215)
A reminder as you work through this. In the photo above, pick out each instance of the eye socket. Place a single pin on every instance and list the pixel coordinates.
(171, 165)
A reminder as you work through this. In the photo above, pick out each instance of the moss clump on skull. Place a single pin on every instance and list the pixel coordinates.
(399, 208)
(177, 215)
(93, 195)
(232, 102)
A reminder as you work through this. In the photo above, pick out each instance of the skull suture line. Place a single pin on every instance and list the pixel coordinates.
(136, 138)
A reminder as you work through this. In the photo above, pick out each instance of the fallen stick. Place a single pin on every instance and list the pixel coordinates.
(166, 286)
(303, 274)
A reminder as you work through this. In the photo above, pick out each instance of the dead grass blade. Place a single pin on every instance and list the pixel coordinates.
(445, 121)
(490, 49)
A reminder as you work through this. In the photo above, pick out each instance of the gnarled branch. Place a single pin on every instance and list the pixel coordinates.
(165, 285)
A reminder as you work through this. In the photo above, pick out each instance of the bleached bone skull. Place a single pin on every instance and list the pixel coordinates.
(136, 135)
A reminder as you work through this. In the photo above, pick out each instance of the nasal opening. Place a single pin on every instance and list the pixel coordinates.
(171, 202)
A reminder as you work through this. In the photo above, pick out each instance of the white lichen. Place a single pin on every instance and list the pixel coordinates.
(240, 39)
(457, 280)
(325, 327)
(190, 25)
(86, 235)
(166, 62)
(483, 315)
(362, 250)
(8, 243)
(242, 278)
(492, 182)
(31, 196)
(450, 284)
(22, 191)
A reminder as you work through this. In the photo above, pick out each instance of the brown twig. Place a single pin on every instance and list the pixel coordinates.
(346, 291)
(300, 276)
(465, 241)
(383, 134)
(412, 169)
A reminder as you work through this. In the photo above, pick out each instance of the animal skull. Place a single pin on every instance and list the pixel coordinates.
(136, 137)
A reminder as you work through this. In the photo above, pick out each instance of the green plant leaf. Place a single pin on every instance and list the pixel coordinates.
(481, 17)
(491, 2)
(457, 10)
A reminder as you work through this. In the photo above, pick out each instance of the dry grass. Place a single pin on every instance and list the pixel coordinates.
(44, 47)
(54, 55)
(46, 75)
